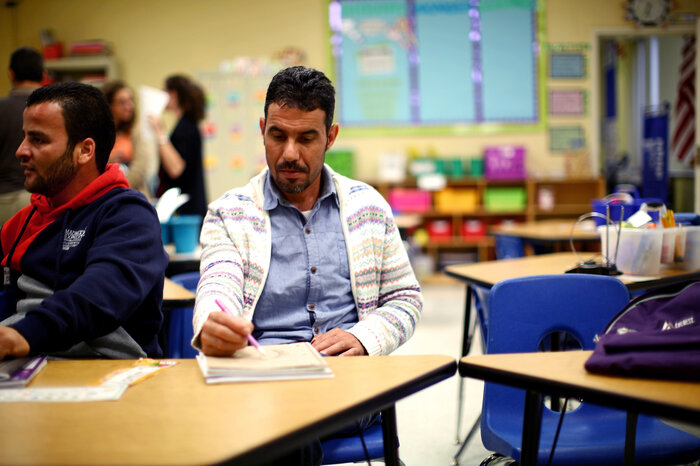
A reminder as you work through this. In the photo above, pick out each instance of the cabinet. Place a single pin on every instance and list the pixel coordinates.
(91, 69)
(457, 218)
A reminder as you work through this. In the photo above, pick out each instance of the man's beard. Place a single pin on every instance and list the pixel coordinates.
(58, 175)
(292, 188)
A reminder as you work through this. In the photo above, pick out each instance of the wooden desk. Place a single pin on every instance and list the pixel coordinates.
(563, 373)
(181, 262)
(488, 273)
(174, 418)
(546, 231)
(175, 295)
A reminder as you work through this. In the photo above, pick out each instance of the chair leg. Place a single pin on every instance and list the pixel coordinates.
(472, 431)
(630, 437)
(467, 334)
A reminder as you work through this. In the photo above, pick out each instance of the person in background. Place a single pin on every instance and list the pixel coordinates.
(84, 263)
(26, 72)
(132, 152)
(181, 154)
(302, 253)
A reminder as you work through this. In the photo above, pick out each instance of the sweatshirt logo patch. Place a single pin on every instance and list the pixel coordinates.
(72, 238)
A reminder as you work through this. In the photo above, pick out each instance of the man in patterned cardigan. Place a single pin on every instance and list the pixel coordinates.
(302, 253)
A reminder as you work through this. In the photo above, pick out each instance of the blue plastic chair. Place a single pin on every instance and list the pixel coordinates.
(508, 247)
(180, 331)
(349, 449)
(523, 312)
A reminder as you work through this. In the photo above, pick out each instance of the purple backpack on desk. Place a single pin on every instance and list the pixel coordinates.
(656, 335)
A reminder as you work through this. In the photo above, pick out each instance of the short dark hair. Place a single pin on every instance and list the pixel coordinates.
(302, 88)
(27, 65)
(86, 115)
(190, 96)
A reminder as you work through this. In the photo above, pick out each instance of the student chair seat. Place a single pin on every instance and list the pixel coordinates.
(523, 313)
(349, 449)
(180, 330)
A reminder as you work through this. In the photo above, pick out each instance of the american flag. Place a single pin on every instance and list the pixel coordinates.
(683, 142)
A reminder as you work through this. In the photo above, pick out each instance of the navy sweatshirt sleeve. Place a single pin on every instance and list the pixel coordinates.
(109, 268)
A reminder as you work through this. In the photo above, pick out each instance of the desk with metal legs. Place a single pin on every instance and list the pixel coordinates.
(175, 418)
(486, 274)
(564, 373)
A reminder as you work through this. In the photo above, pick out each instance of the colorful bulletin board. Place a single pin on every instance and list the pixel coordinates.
(233, 147)
(431, 63)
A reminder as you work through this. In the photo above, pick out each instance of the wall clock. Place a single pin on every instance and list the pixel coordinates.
(648, 12)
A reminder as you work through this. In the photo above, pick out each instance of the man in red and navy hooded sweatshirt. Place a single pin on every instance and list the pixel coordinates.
(84, 263)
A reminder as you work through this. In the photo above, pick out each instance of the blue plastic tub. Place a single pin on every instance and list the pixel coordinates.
(184, 230)
(616, 208)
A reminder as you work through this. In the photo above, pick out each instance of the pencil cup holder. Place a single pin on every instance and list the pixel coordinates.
(638, 251)
(185, 232)
(691, 256)
(673, 245)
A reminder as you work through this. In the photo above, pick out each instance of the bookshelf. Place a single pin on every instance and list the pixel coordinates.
(456, 219)
(88, 69)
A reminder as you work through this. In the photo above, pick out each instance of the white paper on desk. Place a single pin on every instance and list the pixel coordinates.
(152, 101)
(107, 392)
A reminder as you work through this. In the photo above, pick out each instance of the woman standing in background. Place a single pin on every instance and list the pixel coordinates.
(131, 151)
(181, 155)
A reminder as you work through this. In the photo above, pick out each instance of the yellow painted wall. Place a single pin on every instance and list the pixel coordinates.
(154, 38)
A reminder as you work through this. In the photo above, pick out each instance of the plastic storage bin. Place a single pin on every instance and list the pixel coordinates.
(439, 229)
(408, 200)
(507, 199)
(616, 209)
(461, 200)
(165, 232)
(691, 257)
(672, 245)
(504, 163)
(639, 250)
(342, 162)
(185, 232)
(472, 229)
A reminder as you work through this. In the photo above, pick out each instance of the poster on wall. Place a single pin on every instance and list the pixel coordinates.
(566, 102)
(567, 61)
(566, 138)
(426, 62)
(233, 147)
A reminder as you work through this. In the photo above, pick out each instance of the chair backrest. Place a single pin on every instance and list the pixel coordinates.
(509, 247)
(180, 331)
(523, 311)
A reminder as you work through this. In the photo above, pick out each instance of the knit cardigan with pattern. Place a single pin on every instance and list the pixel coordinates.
(236, 247)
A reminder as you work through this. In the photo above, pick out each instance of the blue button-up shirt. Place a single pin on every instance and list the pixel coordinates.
(307, 291)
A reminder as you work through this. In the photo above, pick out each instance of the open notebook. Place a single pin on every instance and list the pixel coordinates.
(280, 362)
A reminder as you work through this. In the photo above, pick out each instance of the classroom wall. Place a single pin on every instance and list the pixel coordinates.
(154, 38)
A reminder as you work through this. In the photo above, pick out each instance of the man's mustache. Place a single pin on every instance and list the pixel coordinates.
(292, 166)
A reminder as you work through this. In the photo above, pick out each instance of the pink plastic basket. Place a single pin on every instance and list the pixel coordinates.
(408, 200)
(504, 163)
